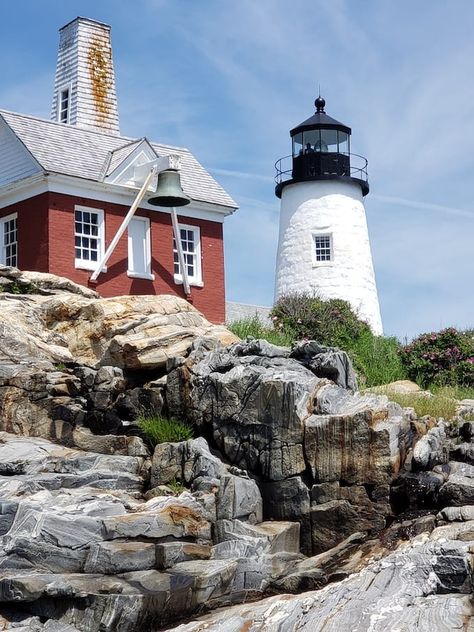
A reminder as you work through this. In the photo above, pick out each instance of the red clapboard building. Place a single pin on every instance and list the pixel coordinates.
(67, 183)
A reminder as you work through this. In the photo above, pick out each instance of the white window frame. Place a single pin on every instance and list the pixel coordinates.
(196, 279)
(61, 91)
(140, 275)
(317, 263)
(87, 264)
(3, 221)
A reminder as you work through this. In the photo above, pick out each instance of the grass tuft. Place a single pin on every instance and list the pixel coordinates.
(439, 405)
(254, 328)
(157, 429)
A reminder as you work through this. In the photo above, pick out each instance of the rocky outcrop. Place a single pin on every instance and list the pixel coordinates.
(424, 586)
(97, 531)
(324, 456)
(81, 545)
(49, 318)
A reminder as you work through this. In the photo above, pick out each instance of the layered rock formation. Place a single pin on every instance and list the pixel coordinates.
(98, 532)
(324, 455)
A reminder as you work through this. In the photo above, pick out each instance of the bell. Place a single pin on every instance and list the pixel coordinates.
(169, 191)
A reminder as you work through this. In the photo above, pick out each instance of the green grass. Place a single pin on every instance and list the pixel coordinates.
(455, 392)
(253, 327)
(157, 429)
(439, 405)
(176, 487)
(376, 359)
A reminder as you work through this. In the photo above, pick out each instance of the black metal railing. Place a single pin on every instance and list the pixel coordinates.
(321, 165)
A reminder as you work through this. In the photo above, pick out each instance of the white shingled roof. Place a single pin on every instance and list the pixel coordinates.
(72, 151)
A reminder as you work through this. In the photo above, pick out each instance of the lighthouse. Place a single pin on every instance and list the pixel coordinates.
(323, 245)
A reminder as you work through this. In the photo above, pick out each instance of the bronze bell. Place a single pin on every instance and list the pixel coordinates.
(169, 191)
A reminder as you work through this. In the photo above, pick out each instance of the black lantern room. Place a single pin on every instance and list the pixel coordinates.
(321, 151)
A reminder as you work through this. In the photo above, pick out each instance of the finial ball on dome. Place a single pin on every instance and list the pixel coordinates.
(320, 103)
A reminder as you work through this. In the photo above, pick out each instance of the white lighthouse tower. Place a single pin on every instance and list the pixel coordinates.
(324, 244)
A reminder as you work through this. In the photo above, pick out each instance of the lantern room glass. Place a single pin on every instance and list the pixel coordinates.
(321, 140)
(298, 145)
(343, 143)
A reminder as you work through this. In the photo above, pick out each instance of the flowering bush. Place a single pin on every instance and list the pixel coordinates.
(331, 323)
(444, 357)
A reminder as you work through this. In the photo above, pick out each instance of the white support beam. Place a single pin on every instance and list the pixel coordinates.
(123, 226)
(163, 163)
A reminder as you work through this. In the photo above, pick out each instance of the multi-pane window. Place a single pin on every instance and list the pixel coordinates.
(88, 236)
(191, 252)
(9, 230)
(63, 106)
(322, 244)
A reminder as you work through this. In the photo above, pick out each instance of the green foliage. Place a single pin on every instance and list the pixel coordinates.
(443, 358)
(253, 327)
(454, 391)
(176, 487)
(376, 359)
(157, 429)
(331, 323)
(18, 287)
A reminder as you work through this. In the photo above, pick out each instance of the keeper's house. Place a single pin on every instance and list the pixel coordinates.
(67, 184)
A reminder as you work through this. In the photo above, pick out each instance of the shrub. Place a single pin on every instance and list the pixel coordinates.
(444, 358)
(331, 322)
(157, 429)
(334, 323)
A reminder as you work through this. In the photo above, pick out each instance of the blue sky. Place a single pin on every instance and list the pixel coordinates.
(230, 79)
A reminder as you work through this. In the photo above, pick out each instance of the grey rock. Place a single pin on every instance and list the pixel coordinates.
(289, 500)
(269, 536)
(162, 517)
(119, 557)
(452, 514)
(430, 450)
(326, 362)
(170, 553)
(212, 579)
(423, 587)
(239, 498)
(255, 405)
(139, 401)
(184, 461)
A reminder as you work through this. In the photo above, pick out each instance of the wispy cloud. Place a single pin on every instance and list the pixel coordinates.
(423, 206)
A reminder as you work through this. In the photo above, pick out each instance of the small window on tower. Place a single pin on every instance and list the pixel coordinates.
(63, 106)
(323, 248)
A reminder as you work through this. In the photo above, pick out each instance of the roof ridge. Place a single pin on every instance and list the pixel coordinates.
(64, 125)
(131, 139)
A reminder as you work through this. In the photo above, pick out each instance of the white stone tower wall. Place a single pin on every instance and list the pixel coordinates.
(85, 66)
(327, 207)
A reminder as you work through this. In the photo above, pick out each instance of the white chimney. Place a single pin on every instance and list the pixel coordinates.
(84, 87)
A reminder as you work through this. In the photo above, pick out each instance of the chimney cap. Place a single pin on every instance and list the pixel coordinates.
(82, 19)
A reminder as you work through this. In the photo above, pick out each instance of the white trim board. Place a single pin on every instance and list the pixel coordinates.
(100, 192)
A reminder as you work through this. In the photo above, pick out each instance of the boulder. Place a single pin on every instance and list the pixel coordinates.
(133, 332)
(333, 364)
